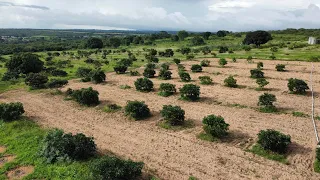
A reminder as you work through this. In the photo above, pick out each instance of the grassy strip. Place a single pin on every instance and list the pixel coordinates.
(23, 139)
(316, 166)
(187, 124)
(258, 150)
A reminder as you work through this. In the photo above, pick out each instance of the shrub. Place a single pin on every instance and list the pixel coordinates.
(57, 83)
(280, 67)
(234, 59)
(10, 75)
(318, 154)
(297, 86)
(267, 100)
(184, 76)
(114, 168)
(151, 65)
(120, 69)
(205, 63)
(196, 68)
(134, 73)
(36, 80)
(86, 96)
(259, 65)
(206, 80)
(165, 74)
(58, 146)
(11, 111)
(143, 85)
(58, 72)
(262, 82)
(230, 82)
(215, 126)
(181, 68)
(223, 62)
(174, 115)
(167, 89)
(273, 57)
(249, 59)
(149, 73)
(165, 66)
(137, 110)
(274, 141)
(83, 72)
(223, 49)
(190, 92)
(25, 63)
(177, 61)
(97, 76)
(256, 73)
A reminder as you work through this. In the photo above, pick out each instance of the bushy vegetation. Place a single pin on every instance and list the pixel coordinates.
(196, 68)
(280, 67)
(223, 62)
(205, 63)
(25, 63)
(149, 72)
(174, 115)
(266, 102)
(36, 80)
(58, 146)
(274, 141)
(297, 86)
(215, 126)
(165, 74)
(97, 76)
(184, 76)
(230, 82)
(256, 73)
(167, 89)
(190, 92)
(116, 169)
(259, 65)
(85, 96)
(206, 80)
(57, 83)
(257, 38)
(11, 111)
(262, 82)
(137, 110)
(177, 61)
(143, 85)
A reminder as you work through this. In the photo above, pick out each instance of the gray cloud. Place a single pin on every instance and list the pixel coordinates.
(21, 5)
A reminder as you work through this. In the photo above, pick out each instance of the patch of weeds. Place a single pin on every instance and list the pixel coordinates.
(125, 87)
(206, 137)
(268, 109)
(56, 92)
(186, 125)
(216, 73)
(317, 118)
(68, 99)
(192, 178)
(299, 114)
(258, 150)
(112, 108)
(316, 166)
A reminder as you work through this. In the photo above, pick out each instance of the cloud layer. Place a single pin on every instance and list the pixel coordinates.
(194, 15)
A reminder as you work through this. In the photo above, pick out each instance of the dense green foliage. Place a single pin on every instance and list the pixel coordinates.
(36, 80)
(262, 82)
(274, 141)
(174, 115)
(97, 76)
(58, 146)
(165, 74)
(86, 96)
(280, 67)
(297, 86)
(149, 72)
(167, 89)
(143, 85)
(184, 76)
(205, 63)
(230, 82)
(57, 83)
(206, 80)
(93, 43)
(256, 73)
(196, 68)
(11, 111)
(223, 62)
(116, 169)
(137, 110)
(267, 100)
(25, 63)
(190, 92)
(215, 126)
(257, 38)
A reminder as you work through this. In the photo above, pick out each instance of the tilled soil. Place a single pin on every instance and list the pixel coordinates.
(177, 155)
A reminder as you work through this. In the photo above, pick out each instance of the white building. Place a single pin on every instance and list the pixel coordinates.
(313, 40)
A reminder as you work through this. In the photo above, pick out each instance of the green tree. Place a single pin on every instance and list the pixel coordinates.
(257, 38)
(206, 35)
(93, 43)
(182, 35)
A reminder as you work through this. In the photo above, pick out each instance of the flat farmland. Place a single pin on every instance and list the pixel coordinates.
(179, 154)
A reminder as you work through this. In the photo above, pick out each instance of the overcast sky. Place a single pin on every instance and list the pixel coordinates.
(192, 15)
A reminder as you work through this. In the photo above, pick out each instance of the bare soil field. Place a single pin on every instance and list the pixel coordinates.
(179, 154)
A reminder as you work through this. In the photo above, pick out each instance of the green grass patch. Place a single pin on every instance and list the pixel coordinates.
(258, 150)
(299, 114)
(125, 87)
(187, 124)
(316, 166)
(268, 109)
(24, 138)
(206, 137)
(112, 108)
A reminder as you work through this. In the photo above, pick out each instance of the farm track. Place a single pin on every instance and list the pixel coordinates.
(177, 155)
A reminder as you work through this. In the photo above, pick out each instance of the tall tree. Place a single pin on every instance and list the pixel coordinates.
(182, 35)
(206, 35)
(257, 38)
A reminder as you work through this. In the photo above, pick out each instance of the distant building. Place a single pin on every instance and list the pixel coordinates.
(313, 40)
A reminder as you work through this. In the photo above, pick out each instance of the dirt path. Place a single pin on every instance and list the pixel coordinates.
(174, 155)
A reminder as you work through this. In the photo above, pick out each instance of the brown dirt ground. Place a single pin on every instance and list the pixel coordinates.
(20, 172)
(5, 159)
(177, 155)
(2, 149)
